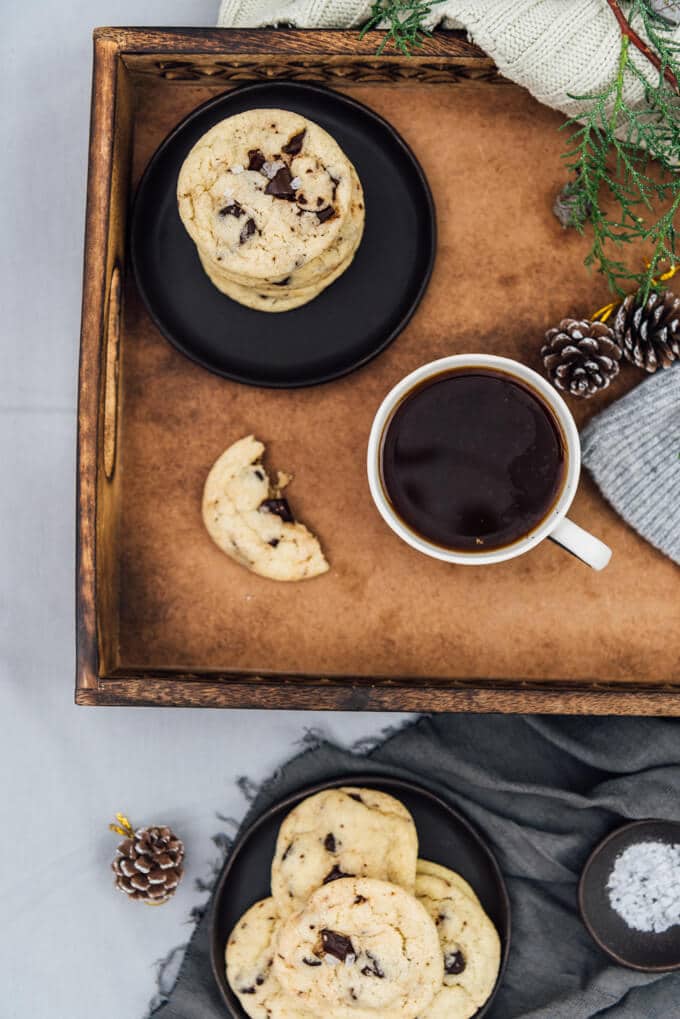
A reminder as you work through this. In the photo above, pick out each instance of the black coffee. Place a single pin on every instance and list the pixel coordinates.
(472, 460)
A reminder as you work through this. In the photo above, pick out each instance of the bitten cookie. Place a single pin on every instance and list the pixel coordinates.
(249, 960)
(360, 949)
(248, 519)
(469, 942)
(339, 833)
(264, 192)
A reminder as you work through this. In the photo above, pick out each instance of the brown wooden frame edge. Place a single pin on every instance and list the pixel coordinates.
(102, 114)
(293, 41)
(362, 694)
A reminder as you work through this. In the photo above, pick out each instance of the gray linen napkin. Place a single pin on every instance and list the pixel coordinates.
(632, 449)
(543, 791)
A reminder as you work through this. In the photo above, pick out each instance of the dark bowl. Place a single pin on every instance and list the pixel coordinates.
(649, 952)
(445, 837)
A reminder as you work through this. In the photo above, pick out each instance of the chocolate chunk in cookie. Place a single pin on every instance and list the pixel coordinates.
(247, 231)
(373, 967)
(337, 945)
(294, 146)
(281, 185)
(454, 962)
(335, 874)
(279, 507)
(233, 209)
(256, 159)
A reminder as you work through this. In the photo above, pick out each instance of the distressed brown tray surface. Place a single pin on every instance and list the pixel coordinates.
(163, 616)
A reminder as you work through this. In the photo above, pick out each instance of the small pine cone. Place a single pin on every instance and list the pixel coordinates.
(150, 865)
(649, 333)
(581, 358)
(571, 207)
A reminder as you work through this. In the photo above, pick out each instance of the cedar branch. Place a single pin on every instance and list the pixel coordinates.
(638, 42)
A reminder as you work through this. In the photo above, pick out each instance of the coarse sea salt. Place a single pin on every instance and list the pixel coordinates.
(270, 169)
(644, 886)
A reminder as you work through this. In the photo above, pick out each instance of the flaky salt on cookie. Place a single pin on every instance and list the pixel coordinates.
(247, 517)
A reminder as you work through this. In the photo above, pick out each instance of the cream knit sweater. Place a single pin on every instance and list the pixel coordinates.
(554, 48)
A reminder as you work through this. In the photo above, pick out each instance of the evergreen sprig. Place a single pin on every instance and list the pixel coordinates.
(404, 22)
(624, 162)
(626, 159)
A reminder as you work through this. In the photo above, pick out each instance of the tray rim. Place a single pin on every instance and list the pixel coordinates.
(119, 48)
(360, 780)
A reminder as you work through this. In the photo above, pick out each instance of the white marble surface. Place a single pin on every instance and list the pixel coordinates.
(70, 946)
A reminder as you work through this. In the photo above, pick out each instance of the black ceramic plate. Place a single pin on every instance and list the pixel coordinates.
(445, 837)
(351, 321)
(636, 949)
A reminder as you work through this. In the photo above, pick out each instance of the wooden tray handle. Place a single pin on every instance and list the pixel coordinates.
(111, 360)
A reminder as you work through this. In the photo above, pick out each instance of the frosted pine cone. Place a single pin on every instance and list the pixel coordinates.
(581, 357)
(649, 333)
(149, 865)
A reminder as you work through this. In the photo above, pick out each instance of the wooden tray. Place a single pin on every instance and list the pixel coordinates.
(163, 616)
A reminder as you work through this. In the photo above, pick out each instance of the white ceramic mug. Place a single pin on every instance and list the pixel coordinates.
(556, 525)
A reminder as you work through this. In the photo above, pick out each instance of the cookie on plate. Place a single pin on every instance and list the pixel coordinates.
(426, 868)
(249, 960)
(318, 269)
(360, 949)
(264, 192)
(271, 298)
(469, 941)
(248, 519)
(344, 832)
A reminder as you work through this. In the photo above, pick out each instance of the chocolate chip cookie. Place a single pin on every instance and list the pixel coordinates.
(247, 517)
(249, 960)
(270, 199)
(360, 949)
(469, 942)
(338, 833)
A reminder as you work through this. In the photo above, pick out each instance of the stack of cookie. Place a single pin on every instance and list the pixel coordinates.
(357, 927)
(274, 206)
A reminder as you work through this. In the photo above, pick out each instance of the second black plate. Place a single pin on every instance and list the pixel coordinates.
(351, 321)
(444, 837)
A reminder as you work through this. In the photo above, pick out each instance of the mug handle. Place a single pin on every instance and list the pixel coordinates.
(582, 544)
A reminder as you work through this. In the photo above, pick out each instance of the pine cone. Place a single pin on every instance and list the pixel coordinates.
(150, 865)
(581, 358)
(649, 333)
(571, 206)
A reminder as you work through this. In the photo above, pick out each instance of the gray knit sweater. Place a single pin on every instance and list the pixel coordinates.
(632, 449)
